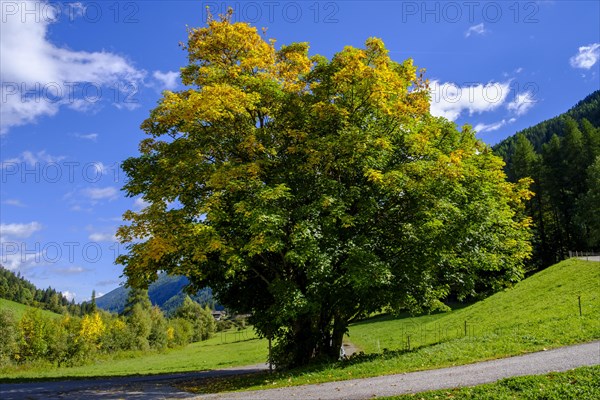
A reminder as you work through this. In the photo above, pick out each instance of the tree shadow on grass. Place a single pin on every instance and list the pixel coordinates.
(237, 341)
(281, 378)
(405, 314)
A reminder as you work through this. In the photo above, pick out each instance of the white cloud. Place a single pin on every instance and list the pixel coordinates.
(450, 100)
(587, 56)
(72, 270)
(88, 136)
(20, 231)
(15, 254)
(480, 128)
(167, 80)
(40, 156)
(13, 202)
(522, 103)
(103, 237)
(15, 257)
(38, 77)
(77, 9)
(79, 208)
(478, 29)
(32, 159)
(140, 203)
(99, 168)
(69, 295)
(106, 193)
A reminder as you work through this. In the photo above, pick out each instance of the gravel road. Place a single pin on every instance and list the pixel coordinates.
(560, 359)
(160, 387)
(137, 388)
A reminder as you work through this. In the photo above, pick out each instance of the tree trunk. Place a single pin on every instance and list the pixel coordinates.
(313, 339)
(339, 329)
(303, 342)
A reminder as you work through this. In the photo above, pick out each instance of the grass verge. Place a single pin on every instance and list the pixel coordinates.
(578, 384)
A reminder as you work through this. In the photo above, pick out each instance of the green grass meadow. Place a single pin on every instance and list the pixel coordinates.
(541, 312)
(215, 353)
(19, 309)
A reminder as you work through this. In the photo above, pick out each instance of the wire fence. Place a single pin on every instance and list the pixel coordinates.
(236, 336)
(585, 255)
(414, 337)
(410, 335)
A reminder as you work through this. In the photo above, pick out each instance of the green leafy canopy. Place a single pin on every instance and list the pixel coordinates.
(310, 192)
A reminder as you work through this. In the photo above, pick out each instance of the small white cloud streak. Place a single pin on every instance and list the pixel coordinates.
(99, 168)
(13, 202)
(30, 158)
(20, 231)
(88, 136)
(522, 103)
(481, 128)
(109, 192)
(586, 57)
(167, 80)
(72, 270)
(478, 29)
(103, 237)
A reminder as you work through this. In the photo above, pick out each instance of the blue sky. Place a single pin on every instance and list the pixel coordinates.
(78, 78)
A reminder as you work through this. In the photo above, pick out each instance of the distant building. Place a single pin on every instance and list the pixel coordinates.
(217, 315)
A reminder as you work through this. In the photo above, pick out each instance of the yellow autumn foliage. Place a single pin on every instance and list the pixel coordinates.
(92, 328)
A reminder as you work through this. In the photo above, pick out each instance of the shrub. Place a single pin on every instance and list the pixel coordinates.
(179, 332)
(139, 323)
(201, 318)
(33, 343)
(9, 333)
(158, 331)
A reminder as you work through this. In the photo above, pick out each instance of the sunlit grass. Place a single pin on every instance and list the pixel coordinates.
(211, 354)
(579, 384)
(19, 309)
(543, 309)
(539, 313)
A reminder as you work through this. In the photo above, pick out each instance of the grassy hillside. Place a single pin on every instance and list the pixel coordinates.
(541, 312)
(544, 308)
(14, 287)
(19, 309)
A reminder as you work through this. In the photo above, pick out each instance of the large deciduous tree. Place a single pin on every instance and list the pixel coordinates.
(310, 192)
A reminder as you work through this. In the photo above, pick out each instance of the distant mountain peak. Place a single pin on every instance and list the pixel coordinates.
(167, 293)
